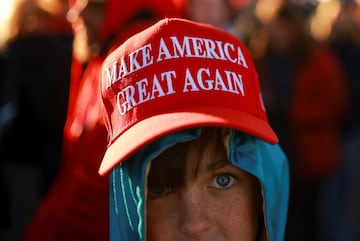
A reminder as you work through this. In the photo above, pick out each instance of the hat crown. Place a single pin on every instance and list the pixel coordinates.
(178, 67)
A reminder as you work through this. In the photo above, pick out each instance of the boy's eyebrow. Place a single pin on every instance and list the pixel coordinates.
(217, 164)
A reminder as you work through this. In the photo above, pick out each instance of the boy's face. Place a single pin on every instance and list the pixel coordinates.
(195, 193)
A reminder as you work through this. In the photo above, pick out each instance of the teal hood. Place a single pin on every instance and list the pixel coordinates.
(265, 161)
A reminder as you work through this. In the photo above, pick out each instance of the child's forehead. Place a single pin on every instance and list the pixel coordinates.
(208, 151)
(189, 160)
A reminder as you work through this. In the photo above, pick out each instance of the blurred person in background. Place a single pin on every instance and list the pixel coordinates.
(36, 49)
(219, 13)
(76, 207)
(4, 190)
(306, 92)
(345, 39)
(35, 84)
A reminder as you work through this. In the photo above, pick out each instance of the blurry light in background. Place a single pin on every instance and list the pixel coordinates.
(54, 7)
(6, 11)
(322, 20)
(265, 10)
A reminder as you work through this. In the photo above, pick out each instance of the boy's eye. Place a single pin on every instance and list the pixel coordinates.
(158, 191)
(223, 181)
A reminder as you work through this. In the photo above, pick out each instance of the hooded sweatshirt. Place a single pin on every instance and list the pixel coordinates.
(265, 161)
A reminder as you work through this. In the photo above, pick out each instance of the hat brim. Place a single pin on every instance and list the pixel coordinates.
(150, 129)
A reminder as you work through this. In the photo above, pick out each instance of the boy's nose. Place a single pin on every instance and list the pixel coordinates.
(194, 221)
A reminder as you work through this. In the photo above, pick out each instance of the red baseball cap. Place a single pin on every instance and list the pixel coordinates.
(174, 75)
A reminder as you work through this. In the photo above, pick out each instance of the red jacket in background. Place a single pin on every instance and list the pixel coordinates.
(317, 113)
(76, 207)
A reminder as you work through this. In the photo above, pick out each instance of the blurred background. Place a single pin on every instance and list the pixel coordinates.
(307, 54)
